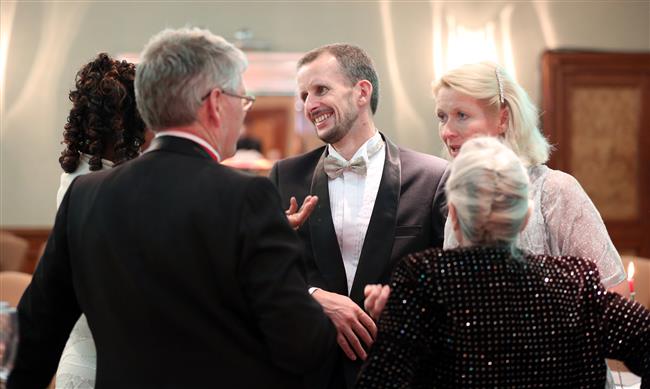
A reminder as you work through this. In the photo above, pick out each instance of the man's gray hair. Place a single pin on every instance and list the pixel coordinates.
(488, 186)
(179, 67)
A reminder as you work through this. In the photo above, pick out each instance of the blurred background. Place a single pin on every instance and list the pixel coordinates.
(43, 44)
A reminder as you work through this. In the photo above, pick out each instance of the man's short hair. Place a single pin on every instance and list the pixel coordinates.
(355, 63)
(179, 67)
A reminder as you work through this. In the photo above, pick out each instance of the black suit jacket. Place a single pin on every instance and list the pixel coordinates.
(409, 215)
(189, 276)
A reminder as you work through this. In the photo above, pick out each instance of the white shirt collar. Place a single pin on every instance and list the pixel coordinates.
(106, 164)
(192, 137)
(361, 152)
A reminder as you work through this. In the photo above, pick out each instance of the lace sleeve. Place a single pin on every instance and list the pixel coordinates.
(575, 227)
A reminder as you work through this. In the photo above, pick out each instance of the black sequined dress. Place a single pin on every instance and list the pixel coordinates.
(479, 318)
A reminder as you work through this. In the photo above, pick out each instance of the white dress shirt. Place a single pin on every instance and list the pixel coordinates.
(352, 199)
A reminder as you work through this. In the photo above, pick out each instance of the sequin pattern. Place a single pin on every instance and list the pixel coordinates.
(477, 317)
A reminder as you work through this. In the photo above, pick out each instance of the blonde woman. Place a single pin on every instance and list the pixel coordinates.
(482, 99)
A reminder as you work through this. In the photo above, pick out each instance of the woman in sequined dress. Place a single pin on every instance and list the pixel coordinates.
(487, 314)
(104, 128)
(482, 99)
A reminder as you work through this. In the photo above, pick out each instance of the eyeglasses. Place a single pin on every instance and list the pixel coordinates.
(246, 101)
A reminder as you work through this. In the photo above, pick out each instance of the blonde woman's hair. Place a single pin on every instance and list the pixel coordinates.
(488, 187)
(488, 82)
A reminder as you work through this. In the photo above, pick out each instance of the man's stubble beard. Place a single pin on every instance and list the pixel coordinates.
(338, 132)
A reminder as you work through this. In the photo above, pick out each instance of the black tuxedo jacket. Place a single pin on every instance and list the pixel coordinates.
(408, 216)
(189, 276)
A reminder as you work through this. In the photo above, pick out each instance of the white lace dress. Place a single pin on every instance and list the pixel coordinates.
(564, 222)
(78, 362)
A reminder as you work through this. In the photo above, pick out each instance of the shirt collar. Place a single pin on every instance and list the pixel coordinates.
(362, 152)
(192, 137)
(106, 164)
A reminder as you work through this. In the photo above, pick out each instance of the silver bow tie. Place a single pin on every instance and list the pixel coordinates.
(334, 167)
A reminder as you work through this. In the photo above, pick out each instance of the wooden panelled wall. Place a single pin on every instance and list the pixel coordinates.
(596, 112)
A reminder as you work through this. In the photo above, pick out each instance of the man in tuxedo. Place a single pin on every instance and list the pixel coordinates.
(187, 271)
(377, 201)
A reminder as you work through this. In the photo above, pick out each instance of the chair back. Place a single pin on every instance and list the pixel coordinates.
(13, 285)
(13, 251)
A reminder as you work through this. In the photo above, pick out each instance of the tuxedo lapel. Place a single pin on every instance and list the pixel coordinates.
(378, 242)
(325, 246)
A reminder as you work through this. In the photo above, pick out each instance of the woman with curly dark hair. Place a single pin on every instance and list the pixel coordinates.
(104, 129)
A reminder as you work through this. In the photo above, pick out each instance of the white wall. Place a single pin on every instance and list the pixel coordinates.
(48, 42)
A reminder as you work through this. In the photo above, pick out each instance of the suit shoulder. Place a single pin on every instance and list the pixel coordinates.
(418, 165)
(234, 175)
(296, 168)
(93, 178)
(257, 189)
(308, 158)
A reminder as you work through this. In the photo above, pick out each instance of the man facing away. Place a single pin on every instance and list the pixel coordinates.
(187, 271)
(377, 201)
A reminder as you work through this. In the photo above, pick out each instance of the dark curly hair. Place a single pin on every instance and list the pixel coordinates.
(103, 115)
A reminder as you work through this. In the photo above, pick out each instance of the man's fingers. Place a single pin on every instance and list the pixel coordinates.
(362, 333)
(293, 206)
(307, 208)
(353, 341)
(304, 202)
(369, 324)
(343, 343)
(297, 217)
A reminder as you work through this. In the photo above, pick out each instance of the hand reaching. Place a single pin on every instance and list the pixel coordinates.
(297, 217)
(376, 297)
(351, 322)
